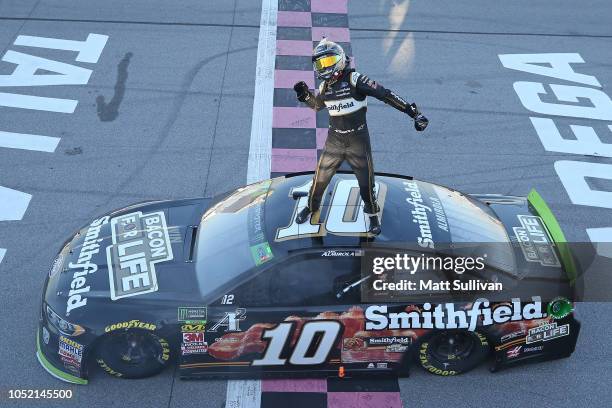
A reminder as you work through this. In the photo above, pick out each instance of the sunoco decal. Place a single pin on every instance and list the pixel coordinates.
(139, 242)
(534, 241)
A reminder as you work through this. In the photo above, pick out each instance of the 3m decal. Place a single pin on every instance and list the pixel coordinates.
(140, 241)
(193, 343)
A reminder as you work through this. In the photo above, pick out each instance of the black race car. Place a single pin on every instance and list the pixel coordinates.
(233, 286)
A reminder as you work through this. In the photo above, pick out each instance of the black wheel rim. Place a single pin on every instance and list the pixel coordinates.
(135, 348)
(452, 346)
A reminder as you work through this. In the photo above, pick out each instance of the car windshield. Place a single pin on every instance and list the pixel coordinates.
(469, 222)
(231, 238)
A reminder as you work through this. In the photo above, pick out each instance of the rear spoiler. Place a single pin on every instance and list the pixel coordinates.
(555, 232)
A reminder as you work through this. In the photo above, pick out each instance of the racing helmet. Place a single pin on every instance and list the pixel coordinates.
(328, 59)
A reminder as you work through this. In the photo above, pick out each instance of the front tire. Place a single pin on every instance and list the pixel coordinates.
(452, 352)
(133, 354)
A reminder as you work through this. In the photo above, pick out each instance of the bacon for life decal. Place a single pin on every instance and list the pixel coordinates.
(534, 241)
(139, 242)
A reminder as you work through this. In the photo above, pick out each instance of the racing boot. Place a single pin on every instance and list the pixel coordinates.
(303, 215)
(374, 225)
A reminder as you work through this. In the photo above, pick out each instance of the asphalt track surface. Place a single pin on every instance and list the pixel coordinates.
(166, 114)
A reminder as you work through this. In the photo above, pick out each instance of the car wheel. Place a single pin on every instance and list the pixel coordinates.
(132, 354)
(452, 352)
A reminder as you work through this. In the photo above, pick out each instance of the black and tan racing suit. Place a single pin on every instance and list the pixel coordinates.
(348, 138)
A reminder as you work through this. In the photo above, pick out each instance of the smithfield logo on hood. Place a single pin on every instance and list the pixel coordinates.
(84, 266)
(139, 242)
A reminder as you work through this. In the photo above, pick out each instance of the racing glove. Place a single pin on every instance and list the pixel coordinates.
(420, 121)
(301, 90)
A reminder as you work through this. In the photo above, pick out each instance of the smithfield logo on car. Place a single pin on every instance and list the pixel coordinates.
(84, 266)
(139, 242)
(534, 241)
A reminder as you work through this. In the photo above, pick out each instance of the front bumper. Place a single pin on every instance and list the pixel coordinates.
(51, 368)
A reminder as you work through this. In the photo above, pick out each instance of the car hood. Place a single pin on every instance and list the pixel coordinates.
(136, 254)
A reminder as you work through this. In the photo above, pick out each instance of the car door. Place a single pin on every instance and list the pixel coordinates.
(289, 317)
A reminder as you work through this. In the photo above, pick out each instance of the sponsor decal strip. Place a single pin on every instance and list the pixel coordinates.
(51, 369)
(287, 139)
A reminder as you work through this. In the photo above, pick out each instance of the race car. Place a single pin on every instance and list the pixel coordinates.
(233, 286)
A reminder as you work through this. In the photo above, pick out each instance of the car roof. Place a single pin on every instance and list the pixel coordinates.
(412, 211)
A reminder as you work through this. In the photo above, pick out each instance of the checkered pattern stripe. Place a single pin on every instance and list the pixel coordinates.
(298, 137)
(331, 393)
(299, 133)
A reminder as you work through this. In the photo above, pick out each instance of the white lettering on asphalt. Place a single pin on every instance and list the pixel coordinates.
(26, 141)
(560, 67)
(586, 143)
(27, 66)
(89, 50)
(13, 204)
(573, 174)
(41, 103)
(529, 94)
(602, 237)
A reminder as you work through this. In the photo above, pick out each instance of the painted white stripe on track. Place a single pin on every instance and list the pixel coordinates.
(2, 252)
(247, 393)
(27, 141)
(89, 50)
(260, 149)
(243, 394)
(13, 204)
(602, 239)
(41, 103)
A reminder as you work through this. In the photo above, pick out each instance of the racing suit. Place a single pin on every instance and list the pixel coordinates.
(348, 138)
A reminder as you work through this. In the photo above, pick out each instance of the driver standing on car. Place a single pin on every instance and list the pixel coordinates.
(344, 91)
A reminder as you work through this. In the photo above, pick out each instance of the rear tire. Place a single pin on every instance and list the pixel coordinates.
(452, 352)
(132, 354)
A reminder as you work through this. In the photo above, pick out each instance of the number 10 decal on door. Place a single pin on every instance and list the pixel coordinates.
(345, 214)
(324, 333)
